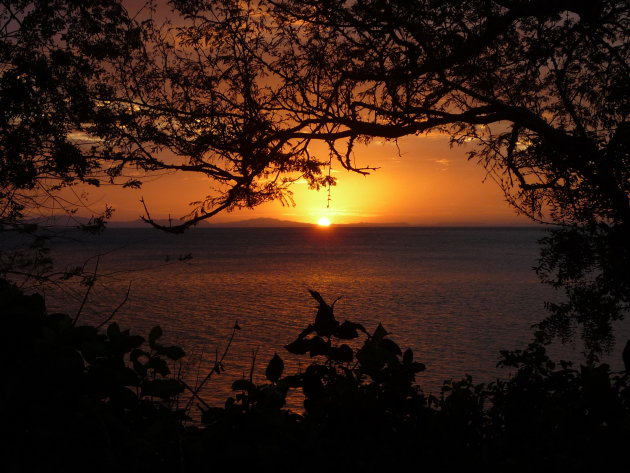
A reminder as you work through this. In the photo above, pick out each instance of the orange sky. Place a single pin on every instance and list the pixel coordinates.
(429, 183)
(421, 182)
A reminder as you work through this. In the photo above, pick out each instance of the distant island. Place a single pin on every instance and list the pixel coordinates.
(260, 222)
(72, 221)
(254, 223)
(278, 223)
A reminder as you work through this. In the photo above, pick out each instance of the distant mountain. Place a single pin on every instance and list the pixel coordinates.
(252, 223)
(273, 222)
(60, 221)
(65, 221)
(261, 222)
(371, 224)
(139, 223)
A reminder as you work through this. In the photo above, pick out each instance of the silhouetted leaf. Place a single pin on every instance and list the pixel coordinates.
(243, 385)
(163, 388)
(156, 332)
(274, 368)
(134, 341)
(371, 356)
(418, 367)
(379, 333)
(173, 352)
(307, 331)
(137, 353)
(128, 377)
(349, 330)
(93, 350)
(213, 414)
(293, 381)
(318, 346)
(298, 347)
(140, 367)
(391, 346)
(317, 297)
(113, 331)
(342, 354)
(270, 397)
(159, 365)
(325, 323)
(312, 381)
(124, 397)
(408, 356)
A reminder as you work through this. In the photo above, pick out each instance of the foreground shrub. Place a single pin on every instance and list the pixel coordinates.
(79, 399)
(75, 398)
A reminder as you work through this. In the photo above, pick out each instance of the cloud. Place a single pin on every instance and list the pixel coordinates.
(444, 163)
(82, 138)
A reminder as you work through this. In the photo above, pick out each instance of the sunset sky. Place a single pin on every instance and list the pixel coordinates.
(423, 181)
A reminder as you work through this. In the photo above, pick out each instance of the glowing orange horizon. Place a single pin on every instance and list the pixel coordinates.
(422, 181)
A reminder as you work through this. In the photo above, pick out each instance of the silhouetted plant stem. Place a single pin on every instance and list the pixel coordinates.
(251, 370)
(194, 394)
(90, 284)
(216, 367)
(124, 301)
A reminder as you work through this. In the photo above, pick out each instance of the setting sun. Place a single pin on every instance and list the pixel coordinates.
(323, 222)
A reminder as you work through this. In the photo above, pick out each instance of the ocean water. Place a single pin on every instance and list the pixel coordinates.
(456, 296)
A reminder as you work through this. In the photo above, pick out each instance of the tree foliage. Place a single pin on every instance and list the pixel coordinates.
(237, 91)
(55, 56)
(540, 87)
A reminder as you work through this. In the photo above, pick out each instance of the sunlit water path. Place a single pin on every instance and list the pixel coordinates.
(456, 296)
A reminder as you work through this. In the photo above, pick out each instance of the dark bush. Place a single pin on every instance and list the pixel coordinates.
(77, 399)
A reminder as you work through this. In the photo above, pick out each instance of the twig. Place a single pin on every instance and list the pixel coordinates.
(216, 366)
(194, 395)
(116, 309)
(251, 371)
(87, 292)
(198, 367)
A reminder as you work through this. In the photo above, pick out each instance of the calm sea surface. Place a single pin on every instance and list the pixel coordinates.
(456, 296)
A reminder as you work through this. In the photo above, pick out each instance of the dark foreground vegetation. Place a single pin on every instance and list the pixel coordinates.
(77, 398)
